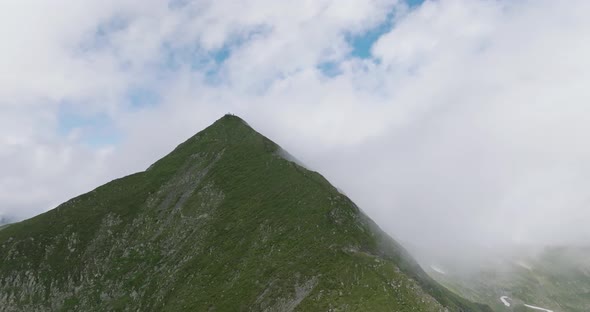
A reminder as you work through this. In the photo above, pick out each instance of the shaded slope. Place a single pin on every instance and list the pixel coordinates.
(223, 223)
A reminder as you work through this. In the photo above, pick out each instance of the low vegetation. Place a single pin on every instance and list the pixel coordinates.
(223, 223)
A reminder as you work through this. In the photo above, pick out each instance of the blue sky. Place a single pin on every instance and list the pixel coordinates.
(98, 130)
(95, 130)
(362, 44)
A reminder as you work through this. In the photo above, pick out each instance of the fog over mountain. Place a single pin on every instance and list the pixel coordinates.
(459, 126)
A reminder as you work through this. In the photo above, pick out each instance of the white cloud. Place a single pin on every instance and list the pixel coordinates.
(467, 127)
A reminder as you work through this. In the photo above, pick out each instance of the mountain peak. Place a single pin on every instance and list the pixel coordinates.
(228, 127)
(226, 132)
(230, 116)
(222, 223)
(231, 119)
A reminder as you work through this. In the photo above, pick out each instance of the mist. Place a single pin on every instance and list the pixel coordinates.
(470, 182)
(461, 130)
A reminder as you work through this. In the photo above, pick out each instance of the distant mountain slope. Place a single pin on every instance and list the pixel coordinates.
(557, 279)
(4, 222)
(223, 223)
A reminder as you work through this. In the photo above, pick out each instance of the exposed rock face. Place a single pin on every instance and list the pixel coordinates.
(223, 223)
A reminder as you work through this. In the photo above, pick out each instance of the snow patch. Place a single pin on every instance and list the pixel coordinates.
(437, 269)
(537, 308)
(504, 300)
(524, 265)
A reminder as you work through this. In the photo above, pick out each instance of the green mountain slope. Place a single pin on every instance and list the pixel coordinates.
(223, 223)
(558, 278)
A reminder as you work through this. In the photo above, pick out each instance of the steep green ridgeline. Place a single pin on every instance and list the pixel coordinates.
(223, 223)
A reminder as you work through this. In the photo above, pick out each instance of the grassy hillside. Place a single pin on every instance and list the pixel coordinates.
(556, 279)
(223, 223)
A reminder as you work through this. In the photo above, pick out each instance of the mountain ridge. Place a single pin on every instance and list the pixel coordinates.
(222, 223)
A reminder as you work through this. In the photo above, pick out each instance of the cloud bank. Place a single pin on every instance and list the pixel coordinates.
(461, 127)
